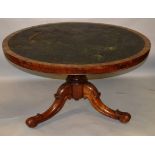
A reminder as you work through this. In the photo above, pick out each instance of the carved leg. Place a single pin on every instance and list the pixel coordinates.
(61, 96)
(77, 87)
(93, 96)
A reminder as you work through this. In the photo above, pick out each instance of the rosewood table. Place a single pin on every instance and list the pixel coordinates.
(76, 50)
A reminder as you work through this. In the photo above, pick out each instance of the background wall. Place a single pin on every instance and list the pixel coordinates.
(23, 94)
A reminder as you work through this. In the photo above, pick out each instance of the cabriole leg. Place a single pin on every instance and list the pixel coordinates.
(92, 94)
(61, 96)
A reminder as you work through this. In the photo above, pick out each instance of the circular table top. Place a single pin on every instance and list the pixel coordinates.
(76, 48)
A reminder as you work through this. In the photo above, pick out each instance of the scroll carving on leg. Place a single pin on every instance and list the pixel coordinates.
(61, 96)
(77, 87)
(92, 94)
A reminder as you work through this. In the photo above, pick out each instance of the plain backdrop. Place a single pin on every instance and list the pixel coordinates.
(23, 95)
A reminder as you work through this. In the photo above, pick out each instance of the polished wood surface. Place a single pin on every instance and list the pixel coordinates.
(77, 87)
(77, 50)
(68, 48)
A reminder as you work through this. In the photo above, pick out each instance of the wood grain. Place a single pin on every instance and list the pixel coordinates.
(77, 87)
(58, 68)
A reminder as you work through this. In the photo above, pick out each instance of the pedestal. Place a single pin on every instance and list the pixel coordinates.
(77, 87)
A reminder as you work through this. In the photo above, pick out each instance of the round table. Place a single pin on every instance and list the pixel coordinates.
(76, 50)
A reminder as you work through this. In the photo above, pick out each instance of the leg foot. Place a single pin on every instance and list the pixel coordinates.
(123, 117)
(34, 121)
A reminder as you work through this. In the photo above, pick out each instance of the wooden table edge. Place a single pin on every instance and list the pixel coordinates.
(99, 68)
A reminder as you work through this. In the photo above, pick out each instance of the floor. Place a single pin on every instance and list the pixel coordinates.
(21, 98)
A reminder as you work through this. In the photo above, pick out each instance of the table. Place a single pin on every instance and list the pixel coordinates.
(76, 49)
